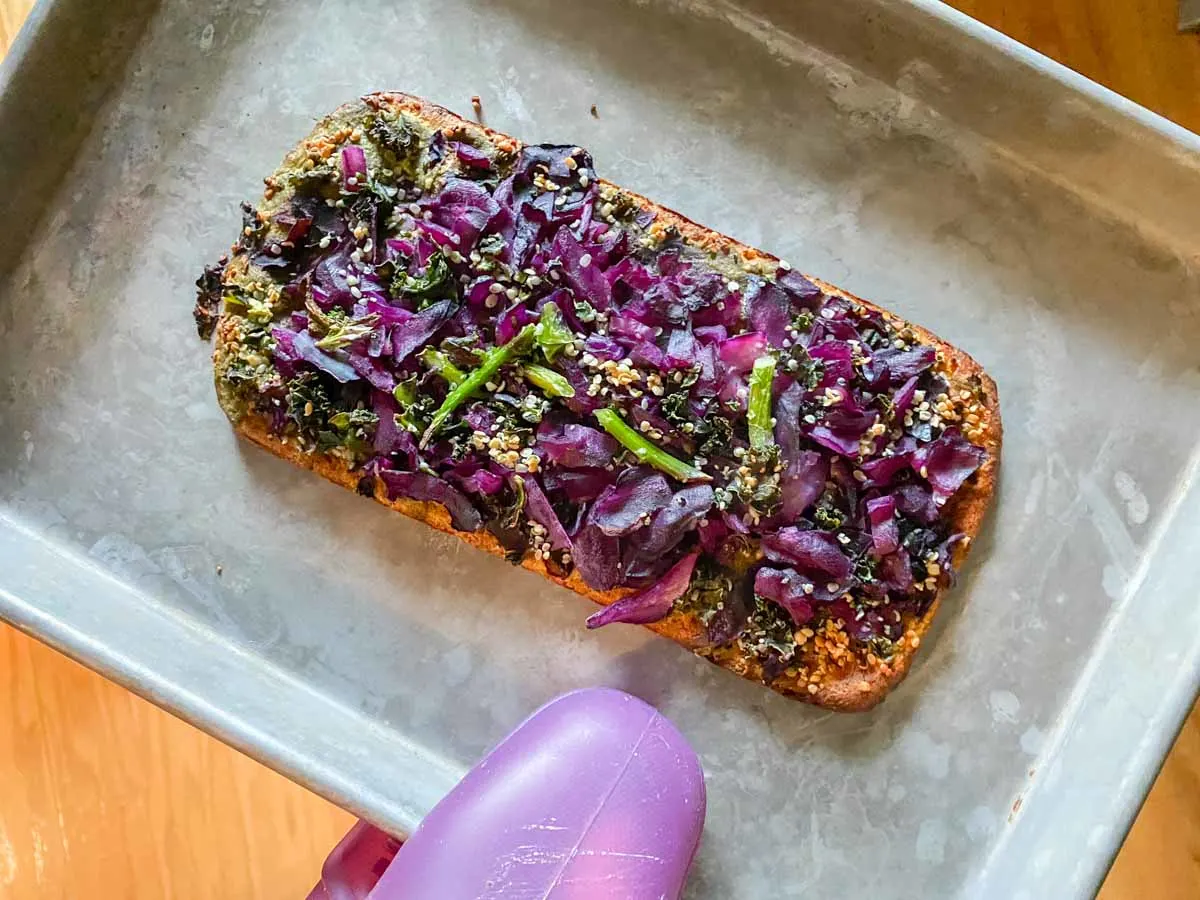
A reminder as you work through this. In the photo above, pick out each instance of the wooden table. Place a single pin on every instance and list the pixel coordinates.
(103, 795)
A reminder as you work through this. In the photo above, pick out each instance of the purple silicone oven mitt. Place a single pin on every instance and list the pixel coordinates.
(595, 797)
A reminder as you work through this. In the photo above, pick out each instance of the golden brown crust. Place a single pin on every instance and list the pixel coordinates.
(836, 679)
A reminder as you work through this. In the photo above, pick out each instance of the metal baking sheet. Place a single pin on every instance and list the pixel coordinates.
(895, 148)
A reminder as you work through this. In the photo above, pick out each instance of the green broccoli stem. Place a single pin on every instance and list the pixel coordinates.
(493, 361)
(758, 416)
(438, 362)
(548, 380)
(610, 420)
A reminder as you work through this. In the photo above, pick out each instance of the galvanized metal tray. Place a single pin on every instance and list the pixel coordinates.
(895, 148)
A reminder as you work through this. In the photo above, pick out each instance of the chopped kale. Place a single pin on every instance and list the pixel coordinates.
(506, 521)
(395, 135)
(431, 285)
(769, 631)
(827, 515)
(253, 229)
(208, 299)
(416, 404)
(308, 403)
(882, 647)
(718, 435)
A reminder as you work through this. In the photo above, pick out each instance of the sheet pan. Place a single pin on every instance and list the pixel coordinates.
(895, 148)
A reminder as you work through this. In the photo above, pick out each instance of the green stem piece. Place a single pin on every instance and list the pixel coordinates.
(493, 361)
(437, 361)
(553, 384)
(762, 432)
(610, 420)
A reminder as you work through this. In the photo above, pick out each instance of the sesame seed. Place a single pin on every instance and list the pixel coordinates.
(512, 293)
(495, 287)
(832, 587)
(356, 293)
(585, 260)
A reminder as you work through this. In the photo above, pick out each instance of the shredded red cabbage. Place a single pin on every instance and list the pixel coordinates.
(631, 502)
(654, 603)
(354, 168)
(791, 590)
(420, 486)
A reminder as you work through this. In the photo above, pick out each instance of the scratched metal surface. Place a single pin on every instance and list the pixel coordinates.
(891, 147)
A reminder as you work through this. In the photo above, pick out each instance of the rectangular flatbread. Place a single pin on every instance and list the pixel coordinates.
(487, 337)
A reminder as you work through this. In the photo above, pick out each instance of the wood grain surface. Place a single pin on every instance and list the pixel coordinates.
(104, 796)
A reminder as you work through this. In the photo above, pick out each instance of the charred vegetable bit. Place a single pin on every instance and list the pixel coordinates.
(208, 299)
(610, 420)
(496, 330)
